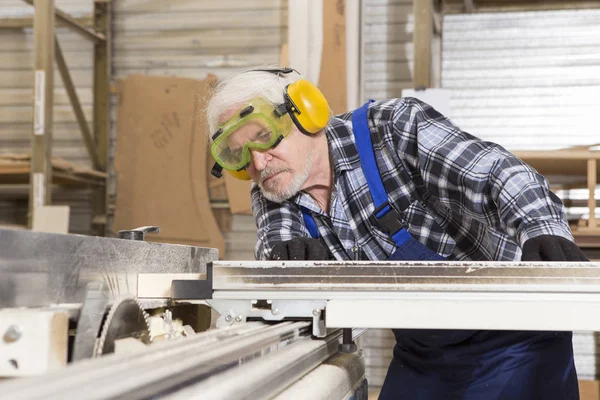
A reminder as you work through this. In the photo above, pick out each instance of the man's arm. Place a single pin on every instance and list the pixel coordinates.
(281, 232)
(474, 177)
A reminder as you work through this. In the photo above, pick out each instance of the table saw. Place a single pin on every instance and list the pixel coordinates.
(127, 318)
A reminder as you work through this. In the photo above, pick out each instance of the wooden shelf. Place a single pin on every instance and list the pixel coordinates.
(16, 169)
(576, 162)
(567, 162)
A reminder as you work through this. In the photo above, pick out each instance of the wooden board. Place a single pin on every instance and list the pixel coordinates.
(571, 162)
(161, 160)
(16, 168)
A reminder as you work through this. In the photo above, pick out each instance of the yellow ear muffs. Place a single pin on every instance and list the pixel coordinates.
(307, 106)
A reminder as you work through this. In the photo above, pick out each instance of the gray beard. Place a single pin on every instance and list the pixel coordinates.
(280, 194)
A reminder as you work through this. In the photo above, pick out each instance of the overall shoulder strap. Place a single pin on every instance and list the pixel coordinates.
(384, 216)
(364, 145)
(310, 223)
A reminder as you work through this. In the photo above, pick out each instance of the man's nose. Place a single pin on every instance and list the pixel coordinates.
(260, 159)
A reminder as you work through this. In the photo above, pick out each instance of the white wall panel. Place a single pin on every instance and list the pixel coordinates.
(526, 80)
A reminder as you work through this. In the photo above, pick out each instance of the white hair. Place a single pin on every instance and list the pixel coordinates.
(237, 90)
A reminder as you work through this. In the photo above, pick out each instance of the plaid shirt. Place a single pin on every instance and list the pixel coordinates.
(462, 197)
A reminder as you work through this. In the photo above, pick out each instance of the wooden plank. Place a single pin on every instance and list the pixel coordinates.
(73, 24)
(332, 77)
(423, 32)
(41, 168)
(53, 219)
(27, 22)
(592, 182)
(76, 105)
(101, 92)
(124, 7)
(559, 162)
(20, 174)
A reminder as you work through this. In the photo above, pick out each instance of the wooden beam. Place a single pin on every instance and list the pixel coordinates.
(592, 182)
(27, 22)
(90, 144)
(41, 152)
(102, 82)
(469, 6)
(423, 32)
(73, 24)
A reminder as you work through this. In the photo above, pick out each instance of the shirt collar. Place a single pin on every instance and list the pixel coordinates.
(342, 146)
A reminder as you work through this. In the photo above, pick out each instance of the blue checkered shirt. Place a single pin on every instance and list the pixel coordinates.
(465, 198)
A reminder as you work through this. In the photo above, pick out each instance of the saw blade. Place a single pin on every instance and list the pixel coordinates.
(126, 319)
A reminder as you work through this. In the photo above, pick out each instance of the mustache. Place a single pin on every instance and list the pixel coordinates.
(269, 172)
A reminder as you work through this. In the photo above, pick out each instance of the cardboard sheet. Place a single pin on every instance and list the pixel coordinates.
(332, 78)
(161, 159)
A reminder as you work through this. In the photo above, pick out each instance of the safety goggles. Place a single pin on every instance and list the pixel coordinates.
(258, 126)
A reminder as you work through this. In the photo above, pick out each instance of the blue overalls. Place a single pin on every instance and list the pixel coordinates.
(460, 364)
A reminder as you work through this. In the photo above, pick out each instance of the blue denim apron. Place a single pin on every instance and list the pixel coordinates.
(460, 364)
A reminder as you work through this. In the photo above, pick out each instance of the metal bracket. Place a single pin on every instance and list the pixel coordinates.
(196, 289)
(238, 311)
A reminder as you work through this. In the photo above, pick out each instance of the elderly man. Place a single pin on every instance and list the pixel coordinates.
(396, 180)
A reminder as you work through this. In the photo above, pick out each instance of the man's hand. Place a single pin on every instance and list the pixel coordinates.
(551, 248)
(299, 249)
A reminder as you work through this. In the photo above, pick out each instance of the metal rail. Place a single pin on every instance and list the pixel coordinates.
(264, 378)
(412, 295)
(406, 276)
(161, 369)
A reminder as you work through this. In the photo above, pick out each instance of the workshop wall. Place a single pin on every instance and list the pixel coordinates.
(184, 38)
(388, 48)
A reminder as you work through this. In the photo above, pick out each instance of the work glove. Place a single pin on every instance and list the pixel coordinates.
(299, 249)
(551, 248)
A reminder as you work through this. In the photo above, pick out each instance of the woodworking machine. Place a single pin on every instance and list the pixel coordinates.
(126, 318)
